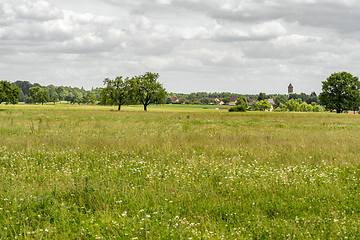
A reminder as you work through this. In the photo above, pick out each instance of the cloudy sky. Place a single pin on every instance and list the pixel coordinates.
(242, 46)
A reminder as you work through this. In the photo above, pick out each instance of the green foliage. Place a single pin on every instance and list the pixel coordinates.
(38, 95)
(91, 98)
(144, 89)
(242, 101)
(226, 99)
(340, 91)
(207, 101)
(69, 94)
(239, 108)
(293, 105)
(281, 108)
(296, 105)
(79, 100)
(54, 98)
(118, 92)
(8, 93)
(148, 90)
(280, 99)
(261, 105)
(262, 96)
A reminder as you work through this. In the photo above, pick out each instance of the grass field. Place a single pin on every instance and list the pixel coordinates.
(177, 172)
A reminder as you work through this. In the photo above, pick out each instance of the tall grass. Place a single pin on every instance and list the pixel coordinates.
(79, 172)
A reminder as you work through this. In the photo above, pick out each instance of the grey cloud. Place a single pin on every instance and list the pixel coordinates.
(340, 15)
(210, 45)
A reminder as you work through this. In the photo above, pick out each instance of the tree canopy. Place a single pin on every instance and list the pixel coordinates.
(340, 91)
(144, 89)
(8, 93)
(149, 90)
(242, 101)
(38, 95)
(118, 91)
(262, 96)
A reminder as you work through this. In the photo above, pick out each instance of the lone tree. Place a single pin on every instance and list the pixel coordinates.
(39, 95)
(340, 91)
(118, 92)
(8, 93)
(149, 90)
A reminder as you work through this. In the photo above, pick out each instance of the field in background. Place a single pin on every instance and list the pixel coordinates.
(177, 172)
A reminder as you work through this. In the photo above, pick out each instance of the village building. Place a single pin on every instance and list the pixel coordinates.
(232, 101)
(175, 99)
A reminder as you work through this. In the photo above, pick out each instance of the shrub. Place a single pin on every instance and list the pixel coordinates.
(239, 108)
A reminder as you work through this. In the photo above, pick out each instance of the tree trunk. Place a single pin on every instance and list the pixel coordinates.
(145, 107)
(119, 107)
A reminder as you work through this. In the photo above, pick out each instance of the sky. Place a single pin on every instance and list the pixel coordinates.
(238, 46)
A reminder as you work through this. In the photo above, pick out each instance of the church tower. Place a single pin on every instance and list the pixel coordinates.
(290, 89)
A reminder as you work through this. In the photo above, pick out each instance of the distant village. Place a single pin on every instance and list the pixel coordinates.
(231, 101)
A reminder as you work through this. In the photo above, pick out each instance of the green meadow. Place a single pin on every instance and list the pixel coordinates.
(177, 172)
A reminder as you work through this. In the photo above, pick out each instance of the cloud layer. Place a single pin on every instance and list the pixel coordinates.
(196, 45)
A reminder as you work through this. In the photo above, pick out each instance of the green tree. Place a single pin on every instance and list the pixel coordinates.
(293, 105)
(304, 107)
(192, 97)
(280, 99)
(207, 101)
(79, 100)
(226, 99)
(91, 98)
(316, 107)
(149, 90)
(118, 91)
(340, 91)
(242, 101)
(239, 108)
(182, 100)
(282, 108)
(262, 96)
(39, 95)
(8, 93)
(54, 97)
(261, 105)
(313, 98)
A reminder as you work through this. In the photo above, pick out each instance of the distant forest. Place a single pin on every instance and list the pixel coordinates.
(80, 95)
(70, 94)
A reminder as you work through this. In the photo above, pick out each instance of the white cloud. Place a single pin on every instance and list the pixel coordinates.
(39, 10)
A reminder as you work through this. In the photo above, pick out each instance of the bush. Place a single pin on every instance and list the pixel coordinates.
(239, 108)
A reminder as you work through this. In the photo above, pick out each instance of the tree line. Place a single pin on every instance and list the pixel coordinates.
(340, 92)
(56, 93)
(281, 103)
